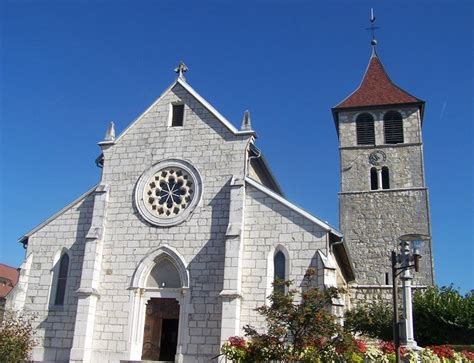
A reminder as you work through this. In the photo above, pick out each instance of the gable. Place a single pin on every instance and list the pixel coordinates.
(184, 93)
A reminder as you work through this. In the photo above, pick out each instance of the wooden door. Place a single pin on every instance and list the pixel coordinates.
(160, 336)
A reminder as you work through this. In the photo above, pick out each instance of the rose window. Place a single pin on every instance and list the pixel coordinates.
(169, 192)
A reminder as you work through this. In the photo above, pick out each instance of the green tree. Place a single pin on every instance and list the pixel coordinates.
(17, 337)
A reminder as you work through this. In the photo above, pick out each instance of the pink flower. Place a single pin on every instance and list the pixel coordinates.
(237, 342)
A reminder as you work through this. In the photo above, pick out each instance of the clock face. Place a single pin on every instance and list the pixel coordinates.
(377, 157)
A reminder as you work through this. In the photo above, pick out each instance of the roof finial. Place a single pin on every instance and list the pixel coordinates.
(246, 124)
(110, 134)
(372, 28)
(181, 69)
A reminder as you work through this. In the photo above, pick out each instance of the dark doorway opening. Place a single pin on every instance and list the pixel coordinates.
(160, 336)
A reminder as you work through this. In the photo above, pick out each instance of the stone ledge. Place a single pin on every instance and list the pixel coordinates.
(384, 190)
(381, 146)
(384, 286)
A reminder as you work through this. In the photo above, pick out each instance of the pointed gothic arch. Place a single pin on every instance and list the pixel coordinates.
(162, 274)
(147, 264)
(59, 277)
(278, 259)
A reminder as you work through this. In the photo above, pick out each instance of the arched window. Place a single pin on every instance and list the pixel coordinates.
(62, 280)
(164, 275)
(393, 127)
(365, 129)
(374, 184)
(279, 270)
(385, 178)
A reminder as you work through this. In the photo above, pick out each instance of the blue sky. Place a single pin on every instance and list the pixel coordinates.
(70, 67)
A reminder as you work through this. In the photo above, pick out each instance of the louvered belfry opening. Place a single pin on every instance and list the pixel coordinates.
(365, 129)
(393, 127)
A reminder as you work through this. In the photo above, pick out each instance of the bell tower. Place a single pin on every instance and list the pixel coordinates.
(383, 192)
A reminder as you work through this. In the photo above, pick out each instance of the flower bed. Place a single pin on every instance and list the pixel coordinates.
(240, 350)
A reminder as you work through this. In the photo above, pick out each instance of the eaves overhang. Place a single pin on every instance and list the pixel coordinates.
(342, 254)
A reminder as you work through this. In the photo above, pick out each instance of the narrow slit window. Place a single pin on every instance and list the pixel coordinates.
(385, 178)
(178, 115)
(279, 268)
(365, 129)
(393, 127)
(374, 184)
(62, 280)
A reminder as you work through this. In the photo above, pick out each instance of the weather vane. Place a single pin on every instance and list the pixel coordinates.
(373, 27)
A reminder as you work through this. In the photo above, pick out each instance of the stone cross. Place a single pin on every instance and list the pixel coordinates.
(181, 69)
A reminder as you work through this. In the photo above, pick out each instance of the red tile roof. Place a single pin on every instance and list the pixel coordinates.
(376, 89)
(8, 279)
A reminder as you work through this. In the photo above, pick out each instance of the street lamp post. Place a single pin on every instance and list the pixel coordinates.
(409, 257)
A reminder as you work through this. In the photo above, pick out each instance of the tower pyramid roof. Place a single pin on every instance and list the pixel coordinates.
(376, 89)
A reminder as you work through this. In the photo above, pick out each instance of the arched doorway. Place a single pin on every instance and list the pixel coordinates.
(159, 307)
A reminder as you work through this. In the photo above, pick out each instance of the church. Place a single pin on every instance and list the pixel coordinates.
(187, 228)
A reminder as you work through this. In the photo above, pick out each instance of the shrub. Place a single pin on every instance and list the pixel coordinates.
(17, 337)
(373, 320)
(300, 327)
(440, 316)
(443, 316)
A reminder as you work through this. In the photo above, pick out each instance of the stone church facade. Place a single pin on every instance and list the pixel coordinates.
(181, 239)
(175, 247)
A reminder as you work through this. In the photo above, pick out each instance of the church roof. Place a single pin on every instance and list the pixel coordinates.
(9, 278)
(325, 226)
(376, 89)
(24, 238)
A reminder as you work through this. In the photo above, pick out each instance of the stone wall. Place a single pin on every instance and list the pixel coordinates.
(403, 161)
(55, 324)
(270, 226)
(372, 223)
